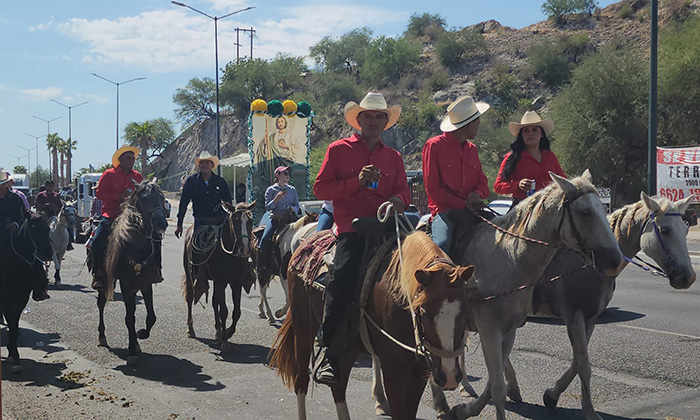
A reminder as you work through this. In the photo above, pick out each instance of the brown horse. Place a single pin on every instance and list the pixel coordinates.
(419, 300)
(130, 258)
(225, 261)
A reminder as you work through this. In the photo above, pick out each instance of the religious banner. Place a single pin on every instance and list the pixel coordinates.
(278, 135)
(678, 172)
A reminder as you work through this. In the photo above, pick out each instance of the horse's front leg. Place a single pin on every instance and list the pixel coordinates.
(12, 317)
(381, 405)
(339, 390)
(57, 268)
(130, 320)
(236, 292)
(442, 409)
(464, 385)
(265, 304)
(285, 287)
(512, 387)
(189, 297)
(221, 313)
(101, 303)
(147, 293)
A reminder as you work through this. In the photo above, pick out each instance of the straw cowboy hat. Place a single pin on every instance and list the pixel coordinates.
(121, 151)
(461, 112)
(531, 118)
(5, 176)
(371, 102)
(206, 156)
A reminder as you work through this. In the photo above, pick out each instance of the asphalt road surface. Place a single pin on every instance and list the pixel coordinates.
(645, 354)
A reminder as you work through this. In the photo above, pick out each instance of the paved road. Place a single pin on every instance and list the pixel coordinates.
(645, 352)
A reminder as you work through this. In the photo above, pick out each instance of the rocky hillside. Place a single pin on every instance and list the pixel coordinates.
(506, 50)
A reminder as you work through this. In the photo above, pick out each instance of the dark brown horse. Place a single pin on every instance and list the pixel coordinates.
(130, 258)
(422, 298)
(20, 263)
(223, 260)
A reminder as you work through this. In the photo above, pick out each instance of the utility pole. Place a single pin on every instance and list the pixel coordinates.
(653, 69)
(238, 44)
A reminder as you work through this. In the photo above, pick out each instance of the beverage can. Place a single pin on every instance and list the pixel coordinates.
(372, 185)
(532, 189)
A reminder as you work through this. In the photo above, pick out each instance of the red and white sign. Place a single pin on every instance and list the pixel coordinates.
(678, 172)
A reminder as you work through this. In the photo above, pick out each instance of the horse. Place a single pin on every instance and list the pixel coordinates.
(419, 297)
(28, 248)
(278, 267)
(652, 226)
(223, 261)
(58, 226)
(130, 258)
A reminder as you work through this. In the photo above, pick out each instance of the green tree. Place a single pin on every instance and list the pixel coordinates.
(388, 58)
(557, 10)
(453, 47)
(425, 24)
(69, 146)
(196, 101)
(345, 54)
(53, 144)
(39, 176)
(601, 122)
(19, 169)
(150, 136)
(332, 88)
(549, 63)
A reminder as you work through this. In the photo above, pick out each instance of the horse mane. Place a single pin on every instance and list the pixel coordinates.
(298, 223)
(419, 252)
(622, 220)
(532, 207)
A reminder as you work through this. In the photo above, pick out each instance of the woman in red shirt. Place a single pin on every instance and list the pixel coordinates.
(530, 159)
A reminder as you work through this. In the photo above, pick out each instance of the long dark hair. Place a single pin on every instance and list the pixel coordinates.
(517, 148)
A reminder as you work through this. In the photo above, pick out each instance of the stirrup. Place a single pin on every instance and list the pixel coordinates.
(324, 372)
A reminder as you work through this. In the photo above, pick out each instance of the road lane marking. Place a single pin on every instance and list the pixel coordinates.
(659, 331)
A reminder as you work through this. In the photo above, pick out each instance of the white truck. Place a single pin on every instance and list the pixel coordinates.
(86, 193)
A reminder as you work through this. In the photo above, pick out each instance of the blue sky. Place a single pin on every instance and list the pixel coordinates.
(50, 48)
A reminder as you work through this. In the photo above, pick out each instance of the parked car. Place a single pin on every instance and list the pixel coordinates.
(501, 207)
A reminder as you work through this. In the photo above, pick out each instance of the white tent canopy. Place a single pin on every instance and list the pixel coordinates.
(241, 160)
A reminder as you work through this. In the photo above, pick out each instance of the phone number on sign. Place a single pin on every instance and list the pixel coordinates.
(677, 194)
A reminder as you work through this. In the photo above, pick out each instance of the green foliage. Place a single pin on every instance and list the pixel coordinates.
(196, 101)
(150, 136)
(418, 116)
(557, 10)
(549, 64)
(438, 81)
(332, 88)
(625, 11)
(345, 54)
(39, 176)
(577, 45)
(679, 83)
(677, 9)
(453, 47)
(19, 169)
(424, 24)
(493, 142)
(601, 121)
(506, 92)
(388, 58)
(316, 156)
(256, 78)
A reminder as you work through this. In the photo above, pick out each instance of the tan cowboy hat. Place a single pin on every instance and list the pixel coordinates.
(5, 176)
(461, 112)
(373, 101)
(531, 118)
(121, 151)
(206, 156)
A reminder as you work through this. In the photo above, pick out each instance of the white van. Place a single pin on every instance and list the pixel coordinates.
(86, 193)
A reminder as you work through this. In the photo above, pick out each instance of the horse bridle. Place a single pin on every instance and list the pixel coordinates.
(236, 238)
(672, 262)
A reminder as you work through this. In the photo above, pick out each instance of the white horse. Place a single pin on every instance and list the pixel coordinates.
(58, 234)
(284, 245)
(568, 213)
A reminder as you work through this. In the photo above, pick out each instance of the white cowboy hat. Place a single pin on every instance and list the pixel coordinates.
(121, 151)
(531, 118)
(461, 112)
(5, 176)
(206, 156)
(371, 102)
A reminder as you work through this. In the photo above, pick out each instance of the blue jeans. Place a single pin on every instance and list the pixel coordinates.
(442, 231)
(98, 243)
(267, 233)
(325, 220)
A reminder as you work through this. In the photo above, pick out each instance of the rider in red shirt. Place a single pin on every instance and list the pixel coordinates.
(358, 174)
(114, 186)
(530, 159)
(451, 167)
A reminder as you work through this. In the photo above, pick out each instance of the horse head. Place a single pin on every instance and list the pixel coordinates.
(240, 222)
(69, 215)
(442, 305)
(583, 225)
(150, 202)
(663, 238)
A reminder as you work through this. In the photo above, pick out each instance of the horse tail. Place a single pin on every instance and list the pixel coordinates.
(283, 353)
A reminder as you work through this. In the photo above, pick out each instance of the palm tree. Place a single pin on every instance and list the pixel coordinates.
(53, 142)
(70, 145)
(141, 135)
(62, 160)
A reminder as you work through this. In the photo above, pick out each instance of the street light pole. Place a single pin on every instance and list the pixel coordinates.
(117, 85)
(653, 88)
(37, 158)
(29, 165)
(216, 54)
(16, 157)
(48, 132)
(69, 153)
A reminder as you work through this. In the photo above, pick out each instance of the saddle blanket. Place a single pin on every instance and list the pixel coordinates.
(308, 260)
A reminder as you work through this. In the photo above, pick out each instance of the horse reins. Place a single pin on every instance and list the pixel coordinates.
(23, 231)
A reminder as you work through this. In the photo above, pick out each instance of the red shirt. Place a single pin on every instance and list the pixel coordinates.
(113, 183)
(528, 167)
(451, 170)
(337, 179)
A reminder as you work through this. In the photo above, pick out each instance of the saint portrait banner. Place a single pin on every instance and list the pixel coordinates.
(278, 135)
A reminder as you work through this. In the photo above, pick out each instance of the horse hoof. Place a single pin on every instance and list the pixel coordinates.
(382, 410)
(280, 313)
(191, 334)
(515, 396)
(137, 350)
(142, 334)
(549, 401)
(102, 342)
(261, 315)
(132, 360)
(230, 332)
(271, 321)
(17, 369)
(225, 347)
(468, 390)
(217, 336)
